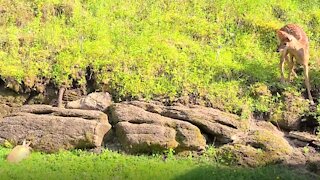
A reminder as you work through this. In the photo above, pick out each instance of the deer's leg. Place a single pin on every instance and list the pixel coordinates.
(307, 81)
(283, 57)
(60, 96)
(291, 69)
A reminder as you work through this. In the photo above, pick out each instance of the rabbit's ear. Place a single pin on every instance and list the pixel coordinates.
(24, 142)
(28, 143)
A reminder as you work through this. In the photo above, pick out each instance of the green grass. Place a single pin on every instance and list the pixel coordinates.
(111, 165)
(210, 50)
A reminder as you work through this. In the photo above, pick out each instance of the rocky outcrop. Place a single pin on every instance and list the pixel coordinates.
(293, 108)
(303, 136)
(302, 139)
(142, 131)
(262, 145)
(94, 101)
(141, 127)
(51, 129)
(224, 127)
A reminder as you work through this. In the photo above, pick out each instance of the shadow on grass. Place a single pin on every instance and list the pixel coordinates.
(236, 173)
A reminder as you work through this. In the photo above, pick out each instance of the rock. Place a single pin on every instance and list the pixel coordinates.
(260, 147)
(296, 159)
(268, 141)
(313, 163)
(72, 94)
(260, 125)
(36, 109)
(94, 101)
(302, 139)
(12, 98)
(146, 137)
(51, 129)
(303, 136)
(298, 143)
(316, 143)
(140, 131)
(225, 127)
(293, 108)
(239, 154)
(4, 110)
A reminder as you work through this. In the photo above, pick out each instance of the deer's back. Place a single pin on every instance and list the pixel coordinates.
(297, 32)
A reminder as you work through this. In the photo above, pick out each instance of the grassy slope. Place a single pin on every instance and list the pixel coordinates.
(208, 49)
(147, 48)
(110, 165)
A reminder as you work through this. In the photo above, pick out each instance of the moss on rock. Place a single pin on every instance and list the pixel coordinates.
(261, 147)
(288, 113)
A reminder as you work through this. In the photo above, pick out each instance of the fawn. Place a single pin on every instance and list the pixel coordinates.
(294, 43)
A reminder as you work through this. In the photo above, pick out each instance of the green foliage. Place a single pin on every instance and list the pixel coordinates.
(7, 144)
(145, 49)
(110, 165)
(306, 150)
(316, 114)
(169, 153)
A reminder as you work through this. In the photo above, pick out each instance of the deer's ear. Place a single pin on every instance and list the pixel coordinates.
(282, 35)
(290, 37)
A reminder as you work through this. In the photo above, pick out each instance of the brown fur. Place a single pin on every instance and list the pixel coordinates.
(294, 43)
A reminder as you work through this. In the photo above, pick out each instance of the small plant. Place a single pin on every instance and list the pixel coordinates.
(169, 154)
(7, 144)
(211, 153)
(306, 149)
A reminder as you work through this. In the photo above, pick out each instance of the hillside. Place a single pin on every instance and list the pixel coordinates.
(215, 53)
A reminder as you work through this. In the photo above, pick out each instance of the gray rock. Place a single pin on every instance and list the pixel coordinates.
(142, 131)
(51, 129)
(313, 163)
(4, 110)
(94, 101)
(292, 110)
(225, 127)
(260, 147)
(303, 136)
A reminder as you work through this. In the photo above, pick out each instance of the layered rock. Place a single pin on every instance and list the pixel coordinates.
(4, 110)
(302, 139)
(141, 127)
(262, 145)
(292, 109)
(51, 129)
(142, 131)
(94, 101)
(224, 127)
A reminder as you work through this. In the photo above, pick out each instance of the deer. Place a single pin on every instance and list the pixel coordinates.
(294, 44)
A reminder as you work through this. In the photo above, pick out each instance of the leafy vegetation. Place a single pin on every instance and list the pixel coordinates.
(85, 165)
(211, 51)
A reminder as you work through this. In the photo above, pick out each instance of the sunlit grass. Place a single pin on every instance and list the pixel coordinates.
(156, 48)
(112, 165)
